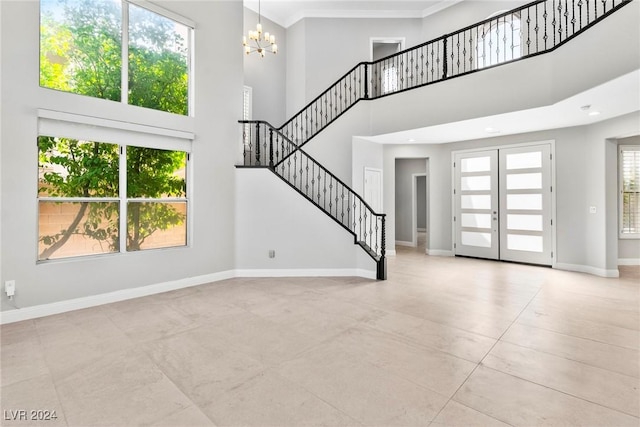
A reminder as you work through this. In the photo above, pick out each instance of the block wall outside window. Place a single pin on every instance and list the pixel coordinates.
(82, 206)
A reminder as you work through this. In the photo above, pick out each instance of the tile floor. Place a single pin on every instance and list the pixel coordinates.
(443, 342)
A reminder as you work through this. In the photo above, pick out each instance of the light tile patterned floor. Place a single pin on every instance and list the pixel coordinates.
(444, 341)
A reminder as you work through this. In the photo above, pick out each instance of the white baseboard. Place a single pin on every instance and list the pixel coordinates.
(403, 243)
(318, 272)
(588, 269)
(629, 261)
(390, 252)
(33, 312)
(439, 252)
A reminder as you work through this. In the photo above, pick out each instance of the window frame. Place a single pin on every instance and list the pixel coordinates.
(621, 233)
(247, 114)
(67, 125)
(124, 46)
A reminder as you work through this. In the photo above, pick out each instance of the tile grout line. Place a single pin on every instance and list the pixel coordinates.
(587, 338)
(564, 392)
(53, 380)
(487, 353)
(570, 359)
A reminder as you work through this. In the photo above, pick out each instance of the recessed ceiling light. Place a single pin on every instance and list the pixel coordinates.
(411, 140)
(594, 113)
(491, 130)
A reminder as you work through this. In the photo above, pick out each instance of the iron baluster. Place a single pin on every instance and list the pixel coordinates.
(324, 191)
(458, 54)
(566, 19)
(306, 188)
(271, 148)
(360, 220)
(580, 13)
(258, 144)
(573, 16)
(342, 209)
(444, 61)
(537, 30)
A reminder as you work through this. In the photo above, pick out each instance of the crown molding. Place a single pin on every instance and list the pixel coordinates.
(291, 19)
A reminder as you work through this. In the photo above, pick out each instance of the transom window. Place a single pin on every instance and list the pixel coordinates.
(129, 51)
(97, 198)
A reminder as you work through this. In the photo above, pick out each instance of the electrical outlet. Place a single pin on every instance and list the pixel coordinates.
(272, 253)
(10, 288)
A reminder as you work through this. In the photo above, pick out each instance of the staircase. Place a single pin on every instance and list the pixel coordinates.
(533, 29)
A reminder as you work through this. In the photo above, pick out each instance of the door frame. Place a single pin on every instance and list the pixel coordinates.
(552, 144)
(414, 207)
(399, 40)
(381, 186)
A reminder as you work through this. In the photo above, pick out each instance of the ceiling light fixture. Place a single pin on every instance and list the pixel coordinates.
(594, 113)
(257, 41)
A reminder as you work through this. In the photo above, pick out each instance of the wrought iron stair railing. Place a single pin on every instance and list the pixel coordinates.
(530, 30)
(533, 29)
(270, 148)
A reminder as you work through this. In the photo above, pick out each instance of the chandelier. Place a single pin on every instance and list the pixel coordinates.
(259, 42)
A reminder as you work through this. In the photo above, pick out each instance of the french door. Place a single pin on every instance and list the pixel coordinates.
(503, 204)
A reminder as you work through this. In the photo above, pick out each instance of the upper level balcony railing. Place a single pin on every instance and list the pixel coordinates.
(533, 29)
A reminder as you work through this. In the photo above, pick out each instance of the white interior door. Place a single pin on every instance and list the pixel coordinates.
(525, 204)
(373, 188)
(476, 204)
(503, 204)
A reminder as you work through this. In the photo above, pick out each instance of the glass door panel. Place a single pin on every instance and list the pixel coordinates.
(502, 204)
(525, 204)
(476, 204)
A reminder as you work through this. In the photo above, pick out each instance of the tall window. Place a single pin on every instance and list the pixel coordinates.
(629, 167)
(116, 50)
(96, 198)
(498, 41)
(247, 113)
(389, 79)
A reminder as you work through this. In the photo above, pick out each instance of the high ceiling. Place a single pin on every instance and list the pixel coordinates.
(618, 97)
(288, 12)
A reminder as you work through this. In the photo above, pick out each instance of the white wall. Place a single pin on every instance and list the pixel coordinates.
(539, 81)
(439, 183)
(273, 216)
(296, 67)
(584, 240)
(267, 76)
(333, 146)
(405, 169)
(365, 154)
(463, 14)
(421, 208)
(218, 104)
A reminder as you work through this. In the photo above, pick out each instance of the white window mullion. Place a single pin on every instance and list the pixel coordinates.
(123, 197)
(124, 68)
(191, 75)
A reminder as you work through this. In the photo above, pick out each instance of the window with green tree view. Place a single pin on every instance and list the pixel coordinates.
(83, 208)
(115, 50)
